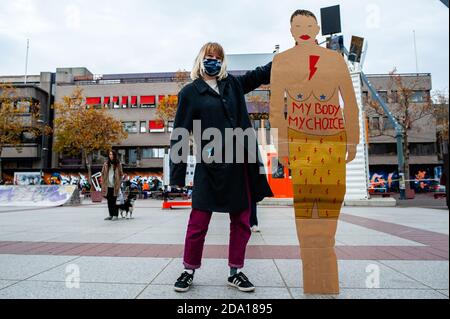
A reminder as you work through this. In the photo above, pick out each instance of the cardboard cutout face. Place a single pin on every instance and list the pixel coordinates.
(313, 106)
(304, 29)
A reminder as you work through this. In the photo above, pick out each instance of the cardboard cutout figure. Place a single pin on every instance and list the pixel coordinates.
(318, 134)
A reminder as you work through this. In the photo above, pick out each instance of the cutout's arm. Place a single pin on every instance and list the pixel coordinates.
(351, 109)
(277, 110)
(254, 79)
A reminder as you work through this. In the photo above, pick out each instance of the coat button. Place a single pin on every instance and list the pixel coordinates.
(224, 100)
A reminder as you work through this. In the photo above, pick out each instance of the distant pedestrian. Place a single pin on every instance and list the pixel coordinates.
(111, 181)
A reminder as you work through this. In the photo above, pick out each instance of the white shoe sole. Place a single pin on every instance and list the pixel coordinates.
(251, 289)
(182, 289)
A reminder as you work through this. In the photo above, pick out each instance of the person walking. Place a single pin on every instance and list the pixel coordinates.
(217, 100)
(111, 182)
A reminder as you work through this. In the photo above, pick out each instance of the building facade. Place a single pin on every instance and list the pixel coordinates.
(130, 98)
(35, 152)
(422, 136)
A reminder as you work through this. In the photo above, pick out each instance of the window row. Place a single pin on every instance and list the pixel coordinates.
(124, 102)
(380, 123)
(416, 149)
(419, 96)
(154, 126)
(127, 156)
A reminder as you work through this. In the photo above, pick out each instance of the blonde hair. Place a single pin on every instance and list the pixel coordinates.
(198, 71)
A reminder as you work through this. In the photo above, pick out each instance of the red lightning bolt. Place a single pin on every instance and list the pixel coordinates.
(313, 59)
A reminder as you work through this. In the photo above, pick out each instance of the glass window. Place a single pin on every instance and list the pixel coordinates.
(143, 127)
(157, 126)
(395, 97)
(130, 127)
(383, 149)
(387, 124)
(132, 156)
(422, 149)
(151, 153)
(374, 123)
(148, 101)
(365, 96)
(23, 106)
(383, 96)
(122, 155)
(419, 97)
(124, 102)
(116, 102)
(28, 137)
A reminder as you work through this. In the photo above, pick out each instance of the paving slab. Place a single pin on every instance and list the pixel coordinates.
(434, 274)
(213, 292)
(20, 267)
(352, 274)
(59, 290)
(109, 270)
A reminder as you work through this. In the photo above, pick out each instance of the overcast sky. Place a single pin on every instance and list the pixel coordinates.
(135, 36)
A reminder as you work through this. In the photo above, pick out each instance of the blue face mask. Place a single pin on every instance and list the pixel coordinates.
(212, 66)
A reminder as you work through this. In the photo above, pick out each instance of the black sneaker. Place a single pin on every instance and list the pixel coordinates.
(108, 218)
(241, 282)
(184, 282)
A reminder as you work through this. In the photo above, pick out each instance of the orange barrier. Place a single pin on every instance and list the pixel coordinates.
(281, 187)
(173, 204)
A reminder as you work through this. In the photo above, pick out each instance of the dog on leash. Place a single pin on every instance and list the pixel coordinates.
(126, 209)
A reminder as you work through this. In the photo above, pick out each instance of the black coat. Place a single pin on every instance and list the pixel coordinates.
(220, 187)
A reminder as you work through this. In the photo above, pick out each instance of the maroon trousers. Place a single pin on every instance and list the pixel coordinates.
(240, 234)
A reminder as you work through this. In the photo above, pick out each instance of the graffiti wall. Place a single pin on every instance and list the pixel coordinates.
(143, 180)
(35, 195)
(423, 179)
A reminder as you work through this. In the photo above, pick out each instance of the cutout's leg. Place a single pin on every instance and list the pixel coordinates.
(320, 268)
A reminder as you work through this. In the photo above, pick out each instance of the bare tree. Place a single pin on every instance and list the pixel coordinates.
(441, 105)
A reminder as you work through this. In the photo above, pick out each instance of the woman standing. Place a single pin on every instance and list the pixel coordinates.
(217, 100)
(111, 181)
